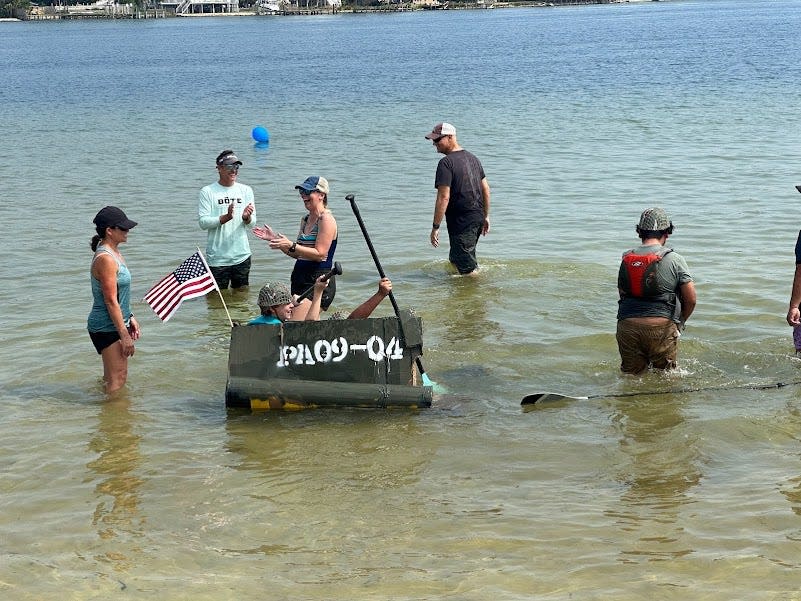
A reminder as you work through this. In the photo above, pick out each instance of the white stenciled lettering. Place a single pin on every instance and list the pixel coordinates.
(285, 355)
(339, 346)
(304, 355)
(394, 349)
(322, 351)
(375, 348)
(336, 350)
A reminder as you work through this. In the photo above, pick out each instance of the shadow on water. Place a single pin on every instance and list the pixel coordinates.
(662, 468)
(792, 487)
(313, 467)
(117, 516)
(465, 317)
(234, 303)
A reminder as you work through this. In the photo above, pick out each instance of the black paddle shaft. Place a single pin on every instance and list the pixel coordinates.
(335, 270)
(352, 200)
(543, 397)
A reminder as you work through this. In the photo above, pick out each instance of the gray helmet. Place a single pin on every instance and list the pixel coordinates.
(274, 293)
(654, 220)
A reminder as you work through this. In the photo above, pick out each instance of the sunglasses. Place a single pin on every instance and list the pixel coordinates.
(231, 168)
(440, 139)
(122, 229)
(303, 192)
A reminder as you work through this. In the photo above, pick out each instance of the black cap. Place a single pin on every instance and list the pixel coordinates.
(113, 217)
(228, 158)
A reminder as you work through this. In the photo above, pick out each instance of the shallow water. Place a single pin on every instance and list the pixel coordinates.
(582, 116)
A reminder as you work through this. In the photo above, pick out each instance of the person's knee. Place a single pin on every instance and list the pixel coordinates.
(665, 363)
(465, 264)
(632, 360)
(116, 378)
(240, 275)
(633, 369)
(222, 279)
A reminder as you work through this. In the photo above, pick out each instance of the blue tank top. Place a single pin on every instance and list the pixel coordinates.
(99, 319)
(310, 240)
(268, 319)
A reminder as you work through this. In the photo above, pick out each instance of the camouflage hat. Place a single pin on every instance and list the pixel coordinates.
(274, 293)
(654, 220)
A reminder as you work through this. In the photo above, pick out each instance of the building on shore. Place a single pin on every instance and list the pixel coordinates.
(200, 7)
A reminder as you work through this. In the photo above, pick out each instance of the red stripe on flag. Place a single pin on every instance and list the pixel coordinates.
(191, 279)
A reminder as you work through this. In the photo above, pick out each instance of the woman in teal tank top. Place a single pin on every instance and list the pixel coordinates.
(112, 327)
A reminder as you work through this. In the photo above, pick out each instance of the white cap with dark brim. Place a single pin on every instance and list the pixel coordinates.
(441, 129)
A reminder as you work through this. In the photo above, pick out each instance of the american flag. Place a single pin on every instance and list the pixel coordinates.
(191, 279)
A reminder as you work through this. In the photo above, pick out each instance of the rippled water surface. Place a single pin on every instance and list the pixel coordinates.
(582, 116)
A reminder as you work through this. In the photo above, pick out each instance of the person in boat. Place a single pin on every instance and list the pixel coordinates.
(275, 308)
(111, 324)
(657, 297)
(278, 305)
(226, 211)
(463, 199)
(366, 309)
(316, 242)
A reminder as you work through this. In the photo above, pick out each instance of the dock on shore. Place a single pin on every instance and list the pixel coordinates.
(79, 12)
(219, 8)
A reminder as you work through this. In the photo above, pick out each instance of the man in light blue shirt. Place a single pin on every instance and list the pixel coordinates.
(227, 212)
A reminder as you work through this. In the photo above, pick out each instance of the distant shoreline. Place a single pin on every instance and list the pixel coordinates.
(85, 12)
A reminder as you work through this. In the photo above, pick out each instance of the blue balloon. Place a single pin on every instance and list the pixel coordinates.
(260, 134)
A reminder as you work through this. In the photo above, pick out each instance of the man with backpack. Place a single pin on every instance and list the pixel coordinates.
(657, 296)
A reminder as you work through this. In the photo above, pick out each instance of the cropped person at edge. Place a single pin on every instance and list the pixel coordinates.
(793, 313)
(112, 327)
(657, 297)
(226, 211)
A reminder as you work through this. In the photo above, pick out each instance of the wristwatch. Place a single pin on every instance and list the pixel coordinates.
(435, 226)
(293, 247)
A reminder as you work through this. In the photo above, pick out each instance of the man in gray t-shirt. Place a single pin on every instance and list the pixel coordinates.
(657, 296)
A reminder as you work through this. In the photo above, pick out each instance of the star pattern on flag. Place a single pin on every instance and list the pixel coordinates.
(192, 278)
(191, 268)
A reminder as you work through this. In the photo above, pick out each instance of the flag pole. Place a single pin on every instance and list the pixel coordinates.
(216, 287)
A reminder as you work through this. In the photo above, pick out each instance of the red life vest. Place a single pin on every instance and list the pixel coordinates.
(637, 275)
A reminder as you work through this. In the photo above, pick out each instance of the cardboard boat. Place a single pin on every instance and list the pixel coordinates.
(330, 363)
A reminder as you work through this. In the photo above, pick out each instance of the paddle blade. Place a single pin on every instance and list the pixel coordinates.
(541, 398)
(437, 388)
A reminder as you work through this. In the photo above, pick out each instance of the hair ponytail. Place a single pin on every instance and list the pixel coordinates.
(101, 233)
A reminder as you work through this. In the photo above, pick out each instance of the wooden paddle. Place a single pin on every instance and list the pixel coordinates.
(352, 200)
